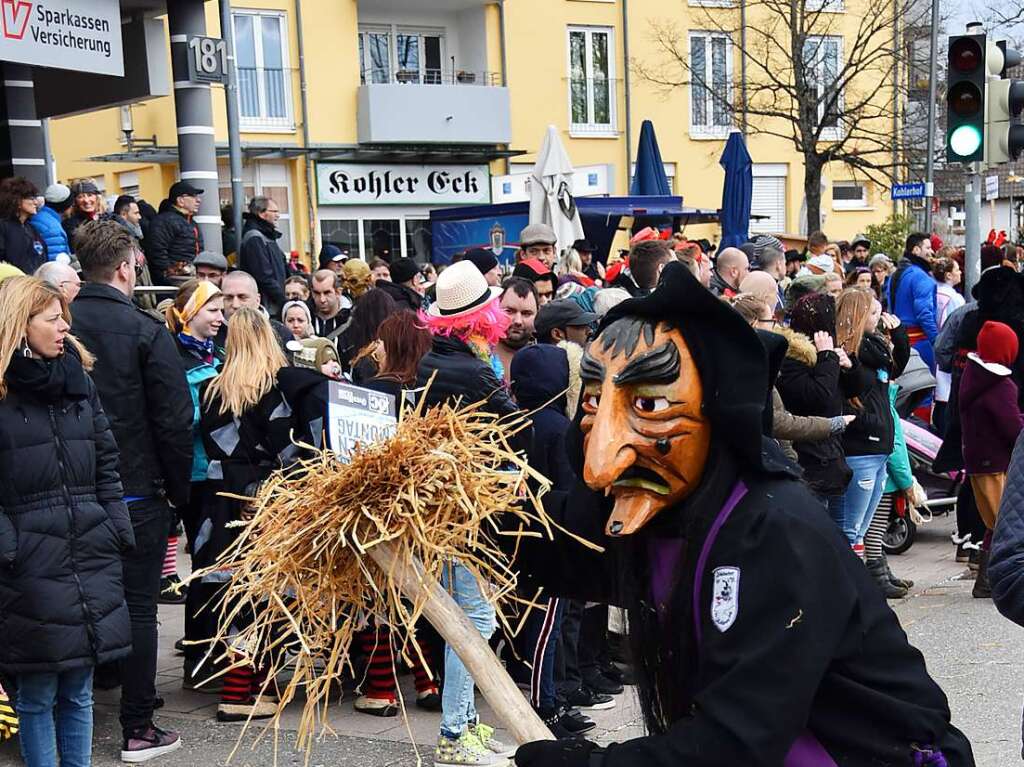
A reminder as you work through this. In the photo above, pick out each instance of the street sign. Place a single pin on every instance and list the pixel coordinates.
(914, 191)
(991, 188)
(207, 59)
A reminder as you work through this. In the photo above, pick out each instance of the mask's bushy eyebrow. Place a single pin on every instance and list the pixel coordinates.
(591, 369)
(657, 366)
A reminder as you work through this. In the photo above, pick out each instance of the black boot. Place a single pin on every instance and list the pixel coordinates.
(903, 583)
(981, 588)
(876, 569)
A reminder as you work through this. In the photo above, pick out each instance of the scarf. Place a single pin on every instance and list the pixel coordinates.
(202, 349)
(49, 380)
(482, 350)
(203, 293)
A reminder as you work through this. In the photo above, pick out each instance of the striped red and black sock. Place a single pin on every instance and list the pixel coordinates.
(419, 670)
(238, 685)
(380, 675)
(170, 558)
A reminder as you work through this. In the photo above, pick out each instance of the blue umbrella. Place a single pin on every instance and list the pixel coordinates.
(736, 193)
(649, 178)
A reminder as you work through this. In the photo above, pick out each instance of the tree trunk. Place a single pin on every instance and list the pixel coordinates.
(812, 193)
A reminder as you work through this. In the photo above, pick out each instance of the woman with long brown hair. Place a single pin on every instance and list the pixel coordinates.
(403, 342)
(63, 526)
(21, 244)
(864, 333)
(246, 426)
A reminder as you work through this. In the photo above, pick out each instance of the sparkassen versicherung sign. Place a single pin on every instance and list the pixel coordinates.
(84, 35)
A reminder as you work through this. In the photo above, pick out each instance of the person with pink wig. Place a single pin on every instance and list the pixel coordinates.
(466, 321)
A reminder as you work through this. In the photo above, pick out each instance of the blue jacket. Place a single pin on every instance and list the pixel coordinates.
(912, 297)
(1006, 567)
(47, 223)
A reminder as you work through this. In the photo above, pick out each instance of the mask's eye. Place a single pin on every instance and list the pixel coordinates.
(650, 404)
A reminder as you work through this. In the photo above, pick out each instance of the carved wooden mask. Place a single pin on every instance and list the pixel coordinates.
(645, 439)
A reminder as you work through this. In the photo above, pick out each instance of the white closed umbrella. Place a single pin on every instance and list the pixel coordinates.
(552, 200)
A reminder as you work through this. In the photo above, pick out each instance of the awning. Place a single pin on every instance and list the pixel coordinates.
(427, 154)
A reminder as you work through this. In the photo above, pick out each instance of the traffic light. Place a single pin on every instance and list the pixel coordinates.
(1004, 137)
(965, 99)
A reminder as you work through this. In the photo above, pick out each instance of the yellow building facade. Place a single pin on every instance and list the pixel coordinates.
(412, 105)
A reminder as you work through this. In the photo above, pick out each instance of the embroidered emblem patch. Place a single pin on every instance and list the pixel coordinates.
(725, 597)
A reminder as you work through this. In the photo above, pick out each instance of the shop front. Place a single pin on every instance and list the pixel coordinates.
(383, 210)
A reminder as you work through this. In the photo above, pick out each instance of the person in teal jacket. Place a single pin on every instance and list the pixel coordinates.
(899, 481)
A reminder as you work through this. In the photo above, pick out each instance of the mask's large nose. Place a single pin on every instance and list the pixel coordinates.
(607, 454)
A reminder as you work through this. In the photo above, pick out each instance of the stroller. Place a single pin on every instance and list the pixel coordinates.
(942, 489)
(916, 385)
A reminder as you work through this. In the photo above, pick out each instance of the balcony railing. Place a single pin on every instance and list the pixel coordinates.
(383, 76)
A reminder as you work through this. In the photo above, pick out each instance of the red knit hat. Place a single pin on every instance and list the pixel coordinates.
(998, 343)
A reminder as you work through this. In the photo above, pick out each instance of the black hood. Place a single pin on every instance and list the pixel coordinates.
(540, 377)
(776, 347)
(732, 361)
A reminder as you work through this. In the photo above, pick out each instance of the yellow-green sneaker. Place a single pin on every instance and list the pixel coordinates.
(484, 733)
(464, 751)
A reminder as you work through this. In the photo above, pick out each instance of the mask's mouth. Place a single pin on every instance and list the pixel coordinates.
(643, 478)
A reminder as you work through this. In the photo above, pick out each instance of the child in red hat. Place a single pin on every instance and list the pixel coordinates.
(991, 421)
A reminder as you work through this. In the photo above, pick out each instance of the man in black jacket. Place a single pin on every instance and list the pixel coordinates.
(759, 638)
(143, 389)
(259, 254)
(174, 240)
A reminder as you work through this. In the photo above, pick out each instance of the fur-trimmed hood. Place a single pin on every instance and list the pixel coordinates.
(801, 348)
(574, 353)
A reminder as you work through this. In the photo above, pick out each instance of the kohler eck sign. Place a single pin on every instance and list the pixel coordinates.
(83, 35)
(355, 184)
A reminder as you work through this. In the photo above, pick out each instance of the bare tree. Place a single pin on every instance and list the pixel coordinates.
(829, 79)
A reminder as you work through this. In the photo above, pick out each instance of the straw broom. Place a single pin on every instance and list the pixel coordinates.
(409, 504)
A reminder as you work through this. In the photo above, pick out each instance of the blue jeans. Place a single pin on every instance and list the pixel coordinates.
(69, 733)
(862, 494)
(457, 705)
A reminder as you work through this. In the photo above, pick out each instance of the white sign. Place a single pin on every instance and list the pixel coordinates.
(991, 187)
(354, 184)
(83, 35)
(358, 416)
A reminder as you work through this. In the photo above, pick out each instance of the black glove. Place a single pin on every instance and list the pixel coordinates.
(574, 752)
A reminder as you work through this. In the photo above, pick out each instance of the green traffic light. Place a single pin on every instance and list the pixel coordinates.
(965, 140)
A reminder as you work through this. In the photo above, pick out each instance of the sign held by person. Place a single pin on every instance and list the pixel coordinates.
(358, 416)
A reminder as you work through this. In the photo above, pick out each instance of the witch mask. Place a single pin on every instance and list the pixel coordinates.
(645, 438)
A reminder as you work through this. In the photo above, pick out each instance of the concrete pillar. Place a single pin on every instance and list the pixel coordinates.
(193, 110)
(22, 143)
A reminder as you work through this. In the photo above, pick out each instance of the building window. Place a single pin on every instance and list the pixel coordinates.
(710, 85)
(822, 62)
(394, 54)
(827, 6)
(848, 195)
(768, 198)
(342, 233)
(591, 80)
(264, 86)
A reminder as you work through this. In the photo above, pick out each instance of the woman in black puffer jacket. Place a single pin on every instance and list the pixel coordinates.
(63, 526)
(869, 439)
(808, 383)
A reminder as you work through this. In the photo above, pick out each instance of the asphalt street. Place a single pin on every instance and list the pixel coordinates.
(975, 654)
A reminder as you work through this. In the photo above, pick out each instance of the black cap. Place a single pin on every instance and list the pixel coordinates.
(183, 188)
(403, 270)
(793, 255)
(562, 313)
(481, 258)
(583, 246)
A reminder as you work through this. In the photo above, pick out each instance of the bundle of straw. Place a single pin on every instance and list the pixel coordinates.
(331, 545)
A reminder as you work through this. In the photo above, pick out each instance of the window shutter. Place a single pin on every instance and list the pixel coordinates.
(768, 198)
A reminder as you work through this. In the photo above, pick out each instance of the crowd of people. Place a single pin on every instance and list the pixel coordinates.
(126, 420)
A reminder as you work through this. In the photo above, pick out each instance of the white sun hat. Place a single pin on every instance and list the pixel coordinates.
(461, 289)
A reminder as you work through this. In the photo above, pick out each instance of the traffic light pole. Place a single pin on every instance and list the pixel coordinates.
(972, 227)
(929, 173)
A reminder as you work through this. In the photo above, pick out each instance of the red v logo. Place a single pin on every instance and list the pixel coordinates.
(16, 14)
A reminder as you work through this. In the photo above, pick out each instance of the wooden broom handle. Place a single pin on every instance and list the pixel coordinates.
(458, 631)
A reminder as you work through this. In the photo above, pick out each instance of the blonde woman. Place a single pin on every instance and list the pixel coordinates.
(246, 425)
(864, 333)
(87, 205)
(63, 526)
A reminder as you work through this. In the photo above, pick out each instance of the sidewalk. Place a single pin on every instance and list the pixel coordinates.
(976, 656)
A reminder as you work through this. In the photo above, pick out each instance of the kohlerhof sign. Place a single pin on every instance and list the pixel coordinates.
(356, 184)
(83, 35)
